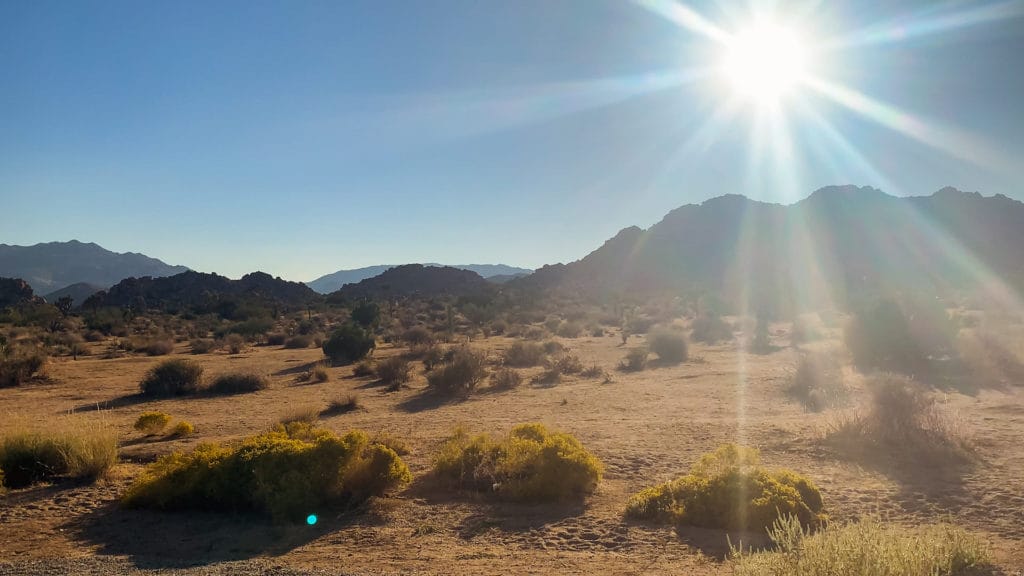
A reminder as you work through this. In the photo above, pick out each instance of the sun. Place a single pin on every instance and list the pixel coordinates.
(765, 62)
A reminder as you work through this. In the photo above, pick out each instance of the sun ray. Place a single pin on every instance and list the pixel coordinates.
(685, 17)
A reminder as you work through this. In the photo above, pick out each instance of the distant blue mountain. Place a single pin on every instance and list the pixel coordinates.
(332, 282)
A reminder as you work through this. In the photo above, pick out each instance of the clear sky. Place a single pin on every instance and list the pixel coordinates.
(300, 137)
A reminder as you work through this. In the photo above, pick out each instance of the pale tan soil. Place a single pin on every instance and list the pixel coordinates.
(647, 427)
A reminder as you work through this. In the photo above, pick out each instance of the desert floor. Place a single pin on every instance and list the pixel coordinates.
(647, 427)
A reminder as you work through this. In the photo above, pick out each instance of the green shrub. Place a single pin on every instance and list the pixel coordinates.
(394, 371)
(669, 345)
(728, 489)
(176, 377)
(365, 314)
(150, 423)
(461, 374)
(867, 547)
(20, 368)
(285, 473)
(237, 384)
(710, 329)
(70, 449)
(818, 382)
(203, 345)
(531, 464)
(634, 361)
(506, 379)
(348, 344)
(524, 354)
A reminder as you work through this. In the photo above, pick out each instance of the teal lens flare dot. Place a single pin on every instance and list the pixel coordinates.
(311, 519)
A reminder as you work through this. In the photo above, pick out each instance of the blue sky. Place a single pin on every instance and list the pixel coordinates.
(303, 137)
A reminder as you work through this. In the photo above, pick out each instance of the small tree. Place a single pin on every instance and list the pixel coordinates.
(348, 344)
(366, 314)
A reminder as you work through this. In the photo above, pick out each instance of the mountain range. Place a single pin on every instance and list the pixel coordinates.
(51, 266)
(331, 282)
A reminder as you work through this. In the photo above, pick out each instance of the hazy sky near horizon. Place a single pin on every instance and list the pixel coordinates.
(298, 138)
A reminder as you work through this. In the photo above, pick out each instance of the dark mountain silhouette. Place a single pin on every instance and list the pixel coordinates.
(15, 291)
(332, 282)
(840, 244)
(200, 291)
(54, 265)
(419, 280)
(78, 292)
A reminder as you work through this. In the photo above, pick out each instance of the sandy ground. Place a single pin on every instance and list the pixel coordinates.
(646, 427)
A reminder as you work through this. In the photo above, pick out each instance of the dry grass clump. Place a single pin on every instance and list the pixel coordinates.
(68, 448)
(203, 345)
(729, 489)
(460, 374)
(670, 345)
(150, 423)
(175, 377)
(307, 414)
(506, 379)
(530, 464)
(235, 343)
(868, 548)
(635, 360)
(343, 405)
(364, 369)
(901, 420)
(394, 371)
(818, 382)
(524, 354)
(284, 473)
(241, 383)
(159, 347)
(557, 366)
(319, 373)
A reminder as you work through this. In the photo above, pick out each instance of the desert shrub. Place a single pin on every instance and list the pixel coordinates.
(553, 347)
(235, 343)
(710, 329)
(901, 420)
(278, 339)
(635, 360)
(319, 373)
(728, 489)
(94, 336)
(284, 473)
(70, 449)
(903, 338)
(460, 374)
(818, 382)
(348, 344)
(19, 368)
(364, 369)
(564, 364)
(202, 345)
(499, 327)
(150, 423)
(417, 336)
(299, 341)
(596, 331)
(535, 333)
(865, 547)
(342, 405)
(159, 348)
(506, 379)
(182, 429)
(569, 329)
(524, 354)
(305, 414)
(239, 383)
(552, 324)
(670, 345)
(594, 371)
(530, 464)
(400, 446)
(175, 377)
(366, 314)
(394, 371)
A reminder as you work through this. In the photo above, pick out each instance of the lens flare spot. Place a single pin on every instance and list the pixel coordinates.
(311, 519)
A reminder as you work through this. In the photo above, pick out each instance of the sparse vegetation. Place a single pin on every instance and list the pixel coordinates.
(203, 345)
(524, 354)
(460, 374)
(150, 423)
(307, 414)
(506, 379)
(348, 344)
(299, 341)
(343, 405)
(394, 371)
(865, 547)
(635, 360)
(159, 347)
(319, 373)
(175, 377)
(818, 382)
(238, 383)
(284, 473)
(235, 343)
(729, 489)
(669, 345)
(418, 336)
(529, 464)
(18, 368)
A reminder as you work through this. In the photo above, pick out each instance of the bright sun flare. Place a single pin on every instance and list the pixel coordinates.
(765, 62)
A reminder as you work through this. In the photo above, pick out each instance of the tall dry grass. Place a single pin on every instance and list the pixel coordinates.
(75, 447)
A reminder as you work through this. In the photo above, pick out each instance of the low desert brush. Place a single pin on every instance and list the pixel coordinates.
(182, 429)
(506, 379)
(818, 382)
(634, 361)
(669, 345)
(150, 423)
(523, 354)
(284, 473)
(176, 377)
(729, 489)
(530, 464)
(240, 383)
(461, 374)
(865, 548)
(69, 448)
